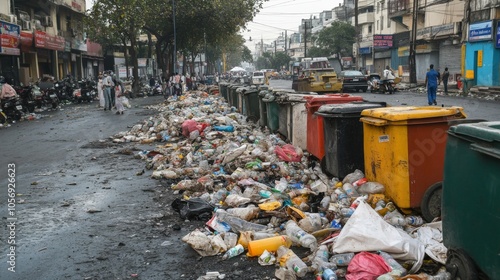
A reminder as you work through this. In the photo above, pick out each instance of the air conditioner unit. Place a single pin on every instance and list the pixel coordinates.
(38, 24)
(13, 19)
(47, 21)
(24, 16)
(26, 25)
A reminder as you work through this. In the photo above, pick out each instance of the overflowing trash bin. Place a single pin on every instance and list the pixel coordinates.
(314, 136)
(293, 115)
(470, 195)
(343, 136)
(404, 150)
(240, 92)
(263, 105)
(223, 89)
(251, 104)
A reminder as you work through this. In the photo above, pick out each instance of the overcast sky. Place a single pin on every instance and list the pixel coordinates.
(278, 16)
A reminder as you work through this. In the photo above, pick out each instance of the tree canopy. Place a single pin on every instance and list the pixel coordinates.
(336, 39)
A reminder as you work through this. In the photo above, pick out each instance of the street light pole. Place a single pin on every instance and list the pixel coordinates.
(175, 37)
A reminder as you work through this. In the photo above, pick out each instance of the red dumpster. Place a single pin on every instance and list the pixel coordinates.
(315, 134)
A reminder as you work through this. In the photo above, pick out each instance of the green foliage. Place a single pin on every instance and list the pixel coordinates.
(335, 39)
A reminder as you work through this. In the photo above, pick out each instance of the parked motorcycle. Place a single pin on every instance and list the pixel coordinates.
(155, 90)
(11, 109)
(88, 90)
(377, 85)
(26, 98)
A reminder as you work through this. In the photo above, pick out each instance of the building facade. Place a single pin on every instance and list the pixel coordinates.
(46, 38)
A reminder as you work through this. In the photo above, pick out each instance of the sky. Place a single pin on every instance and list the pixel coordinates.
(276, 16)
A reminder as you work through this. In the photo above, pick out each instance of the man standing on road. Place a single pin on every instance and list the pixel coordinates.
(431, 81)
(107, 84)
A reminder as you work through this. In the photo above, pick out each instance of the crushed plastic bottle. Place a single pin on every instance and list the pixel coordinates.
(329, 274)
(291, 261)
(397, 269)
(233, 252)
(299, 236)
(414, 220)
(342, 259)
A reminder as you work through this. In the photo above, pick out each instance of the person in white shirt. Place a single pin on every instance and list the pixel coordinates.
(107, 84)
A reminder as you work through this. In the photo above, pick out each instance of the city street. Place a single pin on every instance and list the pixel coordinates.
(87, 208)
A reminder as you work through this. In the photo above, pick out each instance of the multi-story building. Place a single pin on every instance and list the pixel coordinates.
(482, 42)
(46, 38)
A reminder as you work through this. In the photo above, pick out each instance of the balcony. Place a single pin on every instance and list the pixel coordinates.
(366, 18)
(398, 8)
(365, 3)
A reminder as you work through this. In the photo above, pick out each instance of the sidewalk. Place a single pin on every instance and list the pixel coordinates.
(481, 92)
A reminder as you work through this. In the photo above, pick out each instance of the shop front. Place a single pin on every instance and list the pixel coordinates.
(47, 46)
(78, 48)
(382, 45)
(9, 51)
(93, 60)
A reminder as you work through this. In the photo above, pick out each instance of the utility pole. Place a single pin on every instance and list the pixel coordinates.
(305, 38)
(413, 62)
(356, 27)
(285, 42)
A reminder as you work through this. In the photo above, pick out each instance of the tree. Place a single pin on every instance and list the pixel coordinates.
(281, 59)
(337, 39)
(318, 52)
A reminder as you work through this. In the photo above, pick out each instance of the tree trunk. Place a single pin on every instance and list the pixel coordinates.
(135, 63)
(124, 41)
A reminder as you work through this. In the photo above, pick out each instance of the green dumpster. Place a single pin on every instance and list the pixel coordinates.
(263, 106)
(233, 97)
(273, 112)
(470, 200)
(251, 104)
(223, 87)
(239, 101)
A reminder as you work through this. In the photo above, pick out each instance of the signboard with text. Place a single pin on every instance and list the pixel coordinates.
(497, 44)
(382, 41)
(481, 31)
(47, 41)
(9, 38)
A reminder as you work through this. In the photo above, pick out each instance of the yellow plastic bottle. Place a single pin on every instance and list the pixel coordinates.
(271, 244)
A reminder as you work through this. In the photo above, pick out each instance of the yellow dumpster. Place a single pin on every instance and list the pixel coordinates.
(404, 150)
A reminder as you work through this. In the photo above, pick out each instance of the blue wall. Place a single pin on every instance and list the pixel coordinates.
(489, 73)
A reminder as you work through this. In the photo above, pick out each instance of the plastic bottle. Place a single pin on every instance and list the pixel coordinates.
(299, 236)
(265, 193)
(237, 224)
(325, 202)
(320, 261)
(329, 274)
(344, 199)
(350, 190)
(347, 212)
(442, 275)
(342, 259)
(289, 259)
(397, 269)
(271, 244)
(233, 252)
(226, 128)
(414, 220)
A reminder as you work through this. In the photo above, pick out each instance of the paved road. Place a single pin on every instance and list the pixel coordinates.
(474, 108)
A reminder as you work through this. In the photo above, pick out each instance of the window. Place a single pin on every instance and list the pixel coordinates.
(378, 8)
(388, 22)
(370, 28)
(382, 23)
(377, 24)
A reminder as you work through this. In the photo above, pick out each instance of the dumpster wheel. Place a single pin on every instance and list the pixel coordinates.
(460, 265)
(431, 202)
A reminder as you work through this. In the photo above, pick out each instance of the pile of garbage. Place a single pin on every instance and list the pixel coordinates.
(263, 196)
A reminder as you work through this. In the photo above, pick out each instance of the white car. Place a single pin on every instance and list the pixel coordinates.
(258, 78)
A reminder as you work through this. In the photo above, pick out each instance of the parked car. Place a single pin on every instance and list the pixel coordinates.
(258, 78)
(353, 80)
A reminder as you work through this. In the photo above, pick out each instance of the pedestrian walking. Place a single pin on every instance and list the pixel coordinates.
(431, 81)
(446, 76)
(118, 100)
(107, 84)
(100, 92)
(115, 82)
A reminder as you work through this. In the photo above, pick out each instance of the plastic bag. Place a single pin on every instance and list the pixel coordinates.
(287, 153)
(126, 102)
(367, 231)
(195, 208)
(205, 245)
(366, 266)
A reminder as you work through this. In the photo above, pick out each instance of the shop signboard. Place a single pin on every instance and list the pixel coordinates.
(382, 41)
(47, 41)
(10, 38)
(497, 44)
(481, 31)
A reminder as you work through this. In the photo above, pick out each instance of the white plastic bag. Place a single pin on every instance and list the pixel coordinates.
(126, 102)
(367, 231)
(205, 245)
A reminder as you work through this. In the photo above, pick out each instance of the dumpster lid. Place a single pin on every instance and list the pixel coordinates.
(249, 91)
(486, 131)
(401, 113)
(347, 108)
(317, 101)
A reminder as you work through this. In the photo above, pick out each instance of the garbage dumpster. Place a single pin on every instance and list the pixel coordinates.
(343, 136)
(470, 195)
(404, 150)
(251, 104)
(223, 87)
(234, 95)
(292, 113)
(239, 103)
(272, 112)
(262, 106)
(315, 140)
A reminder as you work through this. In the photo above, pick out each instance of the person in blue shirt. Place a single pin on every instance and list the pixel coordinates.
(432, 81)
